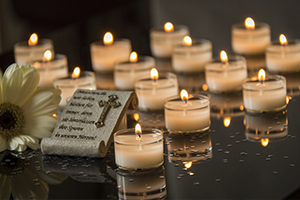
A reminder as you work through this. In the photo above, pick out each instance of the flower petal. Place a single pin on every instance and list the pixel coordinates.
(3, 144)
(20, 143)
(5, 187)
(11, 86)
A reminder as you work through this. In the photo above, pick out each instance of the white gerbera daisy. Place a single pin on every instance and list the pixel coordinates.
(26, 112)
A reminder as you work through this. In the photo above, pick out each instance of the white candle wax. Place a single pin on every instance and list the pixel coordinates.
(50, 70)
(162, 42)
(69, 85)
(250, 42)
(126, 73)
(267, 96)
(104, 57)
(23, 52)
(132, 152)
(226, 77)
(192, 116)
(151, 94)
(281, 58)
(187, 59)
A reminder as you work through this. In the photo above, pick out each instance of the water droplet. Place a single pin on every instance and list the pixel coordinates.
(288, 136)
(220, 150)
(244, 153)
(130, 180)
(241, 161)
(226, 152)
(213, 131)
(35, 180)
(225, 161)
(275, 172)
(229, 145)
(181, 175)
(237, 142)
(148, 187)
(257, 154)
(270, 155)
(268, 159)
(176, 165)
(196, 183)
(237, 133)
(217, 144)
(191, 173)
(218, 180)
(192, 147)
(37, 184)
(232, 136)
(161, 177)
(285, 157)
(180, 149)
(292, 165)
(293, 137)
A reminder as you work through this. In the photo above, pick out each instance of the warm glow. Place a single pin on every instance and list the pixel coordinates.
(169, 27)
(282, 39)
(187, 40)
(261, 75)
(242, 107)
(223, 56)
(154, 74)
(249, 23)
(184, 95)
(188, 164)
(133, 57)
(264, 142)
(136, 116)
(54, 115)
(47, 55)
(204, 87)
(138, 130)
(76, 72)
(287, 99)
(108, 38)
(33, 40)
(227, 121)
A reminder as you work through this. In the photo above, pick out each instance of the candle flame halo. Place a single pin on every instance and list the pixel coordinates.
(138, 130)
(227, 121)
(76, 72)
(261, 75)
(184, 95)
(108, 38)
(47, 55)
(264, 142)
(133, 57)
(154, 74)
(187, 40)
(33, 40)
(249, 23)
(223, 56)
(282, 39)
(168, 27)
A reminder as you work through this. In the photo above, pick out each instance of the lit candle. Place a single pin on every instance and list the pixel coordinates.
(153, 91)
(264, 94)
(187, 113)
(250, 38)
(126, 73)
(192, 55)
(33, 49)
(138, 149)
(225, 74)
(105, 54)
(76, 80)
(163, 39)
(51, 67)
(283, 56)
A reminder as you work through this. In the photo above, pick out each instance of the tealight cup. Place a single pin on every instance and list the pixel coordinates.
(226, 77)
(188, 59)
(190, 116)
(126, 73)
(138, 153)
(264, 96)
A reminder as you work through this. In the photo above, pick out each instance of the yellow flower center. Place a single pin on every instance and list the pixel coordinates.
(11, 120)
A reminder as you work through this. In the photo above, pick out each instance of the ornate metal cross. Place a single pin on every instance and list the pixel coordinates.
(107, 105)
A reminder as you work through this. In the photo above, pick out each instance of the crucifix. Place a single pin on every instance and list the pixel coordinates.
(107, 105)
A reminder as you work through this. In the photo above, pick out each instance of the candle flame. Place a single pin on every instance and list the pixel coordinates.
(242, 107)
(188, 164)
(33, 40)
(47, 55)
(136, 116)
(223, 56)
(108, 38)
(249, 23)
(264, 142)
(154, 74)
(76, 72)
(261, 75)
(227, 121)
(282, 39)
(138, 130)
(133, 57)
(184, 95)
(169, 27)
(187, 40)
(204, 87)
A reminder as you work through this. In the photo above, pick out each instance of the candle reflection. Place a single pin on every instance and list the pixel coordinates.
(266, 127)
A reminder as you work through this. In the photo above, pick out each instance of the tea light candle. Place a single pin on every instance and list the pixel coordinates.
(192, 55)
(250, 38)
(105, 55)
(32, 50)
(51, 67)
(264, 94)
(163, 39)
(187, 113)
(153, 91)
(77, 80)
(126, 73)
(225, 75)
(283, 56)
(138, 149)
